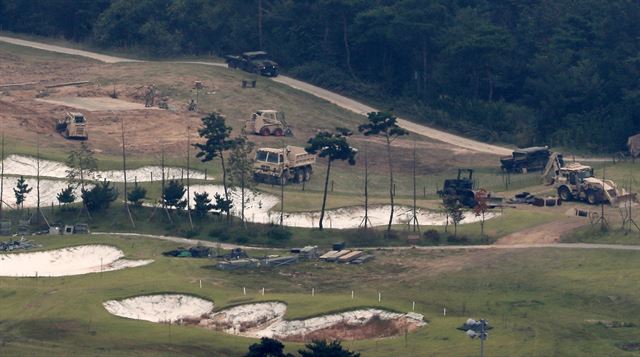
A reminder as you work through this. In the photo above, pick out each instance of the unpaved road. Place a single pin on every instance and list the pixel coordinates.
(191, 242)
(543, 234)
(332, 97)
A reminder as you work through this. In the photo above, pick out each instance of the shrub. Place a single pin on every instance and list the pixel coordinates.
(190, 233)
(432, 236)
(451, 239)
(278, 234)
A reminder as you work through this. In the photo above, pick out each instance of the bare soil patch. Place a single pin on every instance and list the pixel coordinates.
(94, 104)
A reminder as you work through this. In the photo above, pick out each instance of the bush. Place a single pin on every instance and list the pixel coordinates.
(190, 233)
(241, 239)
(451, 239)
(278, 234)
(100, 196)
(432, 236)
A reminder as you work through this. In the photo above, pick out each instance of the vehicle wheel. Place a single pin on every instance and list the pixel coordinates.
(307, 174)
(299, 175)
(564, 193)
(592, 197)
(265, 132)
(278, 132)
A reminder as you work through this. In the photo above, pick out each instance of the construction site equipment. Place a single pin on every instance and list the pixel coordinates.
(268, 122)
(576, 182)
(526, 159)
(280, 166)
(73, 126)
(12, 245)
(193, 252)
(552, 169)
(634, 146)
(461, 188)
(309, 252)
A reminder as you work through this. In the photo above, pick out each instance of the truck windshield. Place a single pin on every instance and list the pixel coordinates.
(261, 156)
(79, 119)
(585, 174)
(273, 158)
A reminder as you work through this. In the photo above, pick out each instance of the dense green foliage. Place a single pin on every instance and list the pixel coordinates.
(526, 72)
(100, 196)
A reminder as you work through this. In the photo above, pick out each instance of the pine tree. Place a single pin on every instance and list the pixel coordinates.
(21, 191)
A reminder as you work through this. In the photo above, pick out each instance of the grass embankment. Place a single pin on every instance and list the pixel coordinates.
(539, 302)
(216, 229)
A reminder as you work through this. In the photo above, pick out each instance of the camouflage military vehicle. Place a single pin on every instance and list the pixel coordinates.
(525, 160)
(257, 62)
(281, 165)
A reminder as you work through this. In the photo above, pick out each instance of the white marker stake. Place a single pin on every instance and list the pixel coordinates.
(379, 296)
(262, 291)
(244, 291)
(413, 308)
(200, 283)
(313, 291)
(351, 294)
(444, 312)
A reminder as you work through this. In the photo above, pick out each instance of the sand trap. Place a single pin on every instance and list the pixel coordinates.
(94, 104)
(78, 260)
(266, 319)
(27, 166)
(263, 208)
(160, 308)
(49, 190)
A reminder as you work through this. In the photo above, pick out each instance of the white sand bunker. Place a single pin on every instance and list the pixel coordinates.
(266, 319)
(262, 208)
(27, 166)
(49, 190)
(160, 308)
(78, 260)
(95, 103)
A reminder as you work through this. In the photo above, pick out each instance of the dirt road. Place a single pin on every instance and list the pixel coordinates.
(332, 97)
(543, 234)
(187, 241)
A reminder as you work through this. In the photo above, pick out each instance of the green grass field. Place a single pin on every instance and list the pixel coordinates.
(537, 300)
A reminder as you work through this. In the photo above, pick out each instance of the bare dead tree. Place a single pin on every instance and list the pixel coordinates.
(365, 220)
(2, 174)
(189, 171)
(413, 222)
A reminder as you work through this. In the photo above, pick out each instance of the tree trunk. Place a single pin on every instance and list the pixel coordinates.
(224, 183)
(391, 193)
(2, 175)
(424, 68)
(260, 12)
(347, 49)
(490, 79)
(324, 197)
(242, 198)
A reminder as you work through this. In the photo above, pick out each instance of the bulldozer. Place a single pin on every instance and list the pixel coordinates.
(73, 126)
(268, 122)
(577, 182)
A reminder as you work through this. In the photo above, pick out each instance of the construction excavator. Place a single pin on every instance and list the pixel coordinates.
(574, 181)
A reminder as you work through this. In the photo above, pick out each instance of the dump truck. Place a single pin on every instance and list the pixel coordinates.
(257, 62)
(281, 165)
(577, 182)
(268, 122)
(526, 159)
(73, 126)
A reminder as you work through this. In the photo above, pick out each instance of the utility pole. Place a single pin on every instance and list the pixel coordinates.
(414, 219)
(2, 174)
(282, 182)
(189, 165)
(366, 221)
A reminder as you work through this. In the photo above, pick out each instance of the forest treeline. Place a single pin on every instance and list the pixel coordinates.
(555, 72)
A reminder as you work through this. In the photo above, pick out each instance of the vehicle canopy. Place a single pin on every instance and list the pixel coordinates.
(531, 150)
(256, 55)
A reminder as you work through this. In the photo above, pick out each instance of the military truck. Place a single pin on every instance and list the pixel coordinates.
(281, 165)
(526, 159)
(73, 126)
(257, 62)
(267, 122)
(576, 182)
